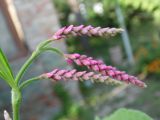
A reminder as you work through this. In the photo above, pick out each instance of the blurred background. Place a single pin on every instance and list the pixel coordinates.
(25, 23)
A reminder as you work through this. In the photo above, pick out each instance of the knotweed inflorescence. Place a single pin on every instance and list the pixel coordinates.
(85, 30)
(65, 75)
(98, 70)
(99, 66)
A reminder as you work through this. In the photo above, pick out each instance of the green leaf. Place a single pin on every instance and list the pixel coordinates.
(97, 118)
(128, 114)
(5, 70)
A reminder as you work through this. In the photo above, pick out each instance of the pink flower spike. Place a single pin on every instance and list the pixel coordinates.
(81, 75)
(84, 30)
(96, 65)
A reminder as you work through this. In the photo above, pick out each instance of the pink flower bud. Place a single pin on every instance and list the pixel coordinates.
(78, 28)
(69, 61)
(68, 29)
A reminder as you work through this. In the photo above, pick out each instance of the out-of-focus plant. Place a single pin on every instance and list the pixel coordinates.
(63, 10)
(142, 28)
(127, 114)
(149, 63)
(148, 6)
(100, 71)
(102, 13)
(154, 66)
(70, 110)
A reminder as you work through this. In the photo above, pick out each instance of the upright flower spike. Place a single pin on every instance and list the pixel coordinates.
(99, 66)
(58, 74)
(85, 30)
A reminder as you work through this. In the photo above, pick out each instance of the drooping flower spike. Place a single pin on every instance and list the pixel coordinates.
(85, 30)
(99, 66)
(58, 74)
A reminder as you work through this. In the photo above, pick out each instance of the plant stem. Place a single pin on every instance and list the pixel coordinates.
(16, 101)
(25, 66)
(53, 50)
(29, 61)
(28, 82)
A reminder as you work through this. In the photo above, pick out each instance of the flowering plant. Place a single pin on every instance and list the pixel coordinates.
(98, 70)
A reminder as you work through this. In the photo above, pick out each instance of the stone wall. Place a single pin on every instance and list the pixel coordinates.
(5, 38)
(39, 21)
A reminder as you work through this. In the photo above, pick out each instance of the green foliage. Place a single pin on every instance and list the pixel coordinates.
(136, 14)
(63, 10)
(147, 5)
(97, 118)
(145, 55)
(128, 114)
(5, 70)
(149, 99)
